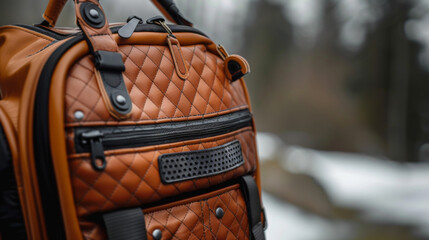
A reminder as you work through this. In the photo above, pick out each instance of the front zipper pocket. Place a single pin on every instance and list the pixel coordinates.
(95, 140)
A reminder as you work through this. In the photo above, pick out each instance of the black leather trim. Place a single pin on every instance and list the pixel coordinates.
(111, 66)
(176, 167)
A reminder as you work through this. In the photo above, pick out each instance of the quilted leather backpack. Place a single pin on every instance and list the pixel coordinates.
(139, 130)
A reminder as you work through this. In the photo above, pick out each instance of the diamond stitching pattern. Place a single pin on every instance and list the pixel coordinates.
(189, 222)
(132, 179)
(156, 90)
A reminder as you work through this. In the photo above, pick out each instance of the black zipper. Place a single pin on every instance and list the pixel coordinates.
(140, 28)
(96, 140)
(42, 150)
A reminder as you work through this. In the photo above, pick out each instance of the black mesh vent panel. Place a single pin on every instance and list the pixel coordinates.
(176, 167)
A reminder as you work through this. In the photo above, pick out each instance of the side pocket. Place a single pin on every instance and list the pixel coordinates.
(11, 221)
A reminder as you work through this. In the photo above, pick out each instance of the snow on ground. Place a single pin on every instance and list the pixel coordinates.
(383, 190)
(288, 222)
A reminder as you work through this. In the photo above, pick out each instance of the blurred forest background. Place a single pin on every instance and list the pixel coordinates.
(329, 75)
(338, 75)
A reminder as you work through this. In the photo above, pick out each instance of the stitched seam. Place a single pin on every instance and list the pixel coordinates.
(204, 226)
(30, 32)
(45, 47)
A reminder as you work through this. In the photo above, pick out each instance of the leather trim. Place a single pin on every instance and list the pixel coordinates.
(199, 219)
(179, 62)
(99, 39)
(193, 199)
(24, 127)
(58, 148)
(236, 67)
(53, 11)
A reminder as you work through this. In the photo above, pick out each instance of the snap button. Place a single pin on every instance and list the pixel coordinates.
(94, 13)
(219, 213)
(78, 115)
(157, 234)
(121, 99)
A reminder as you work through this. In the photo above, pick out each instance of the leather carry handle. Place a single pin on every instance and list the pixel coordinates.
(167, 7)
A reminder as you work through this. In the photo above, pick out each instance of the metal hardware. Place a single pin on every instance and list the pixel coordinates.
(157, 234)
(161, 21)
(94, 13)
(94, 138)
(121, 99)
(79, 115)
(222, 52)
(219, 212)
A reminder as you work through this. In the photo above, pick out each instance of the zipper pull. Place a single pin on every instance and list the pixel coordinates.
(159, 20)
(236, 66)
(128, 29)
(175, 49)
(94, 139)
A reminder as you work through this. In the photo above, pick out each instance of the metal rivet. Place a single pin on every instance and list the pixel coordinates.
(157, 234)
(94, 13)
(121, 99)
(219, 212)
(78, 115)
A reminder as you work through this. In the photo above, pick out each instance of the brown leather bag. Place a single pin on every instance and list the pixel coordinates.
(126, 131)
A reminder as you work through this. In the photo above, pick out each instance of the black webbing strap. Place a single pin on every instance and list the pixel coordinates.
(126, 224)
(174, 12)
(254, 209)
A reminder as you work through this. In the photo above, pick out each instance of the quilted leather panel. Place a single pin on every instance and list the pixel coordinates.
(156, 90)
(132, 179)
(197, 220)
(192, 220)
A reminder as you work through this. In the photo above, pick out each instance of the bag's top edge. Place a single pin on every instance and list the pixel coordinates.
(64, 33)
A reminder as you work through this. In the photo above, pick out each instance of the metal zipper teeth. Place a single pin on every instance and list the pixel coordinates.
(164, 133)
